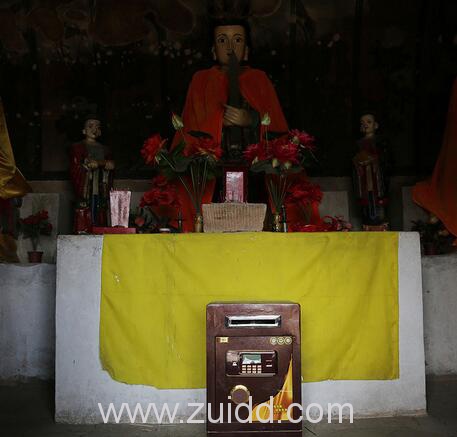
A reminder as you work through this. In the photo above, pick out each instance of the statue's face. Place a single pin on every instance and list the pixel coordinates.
(368, 124)
(228, 39)
(92, 129)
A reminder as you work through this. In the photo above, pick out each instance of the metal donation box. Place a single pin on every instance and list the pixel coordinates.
(253, 369)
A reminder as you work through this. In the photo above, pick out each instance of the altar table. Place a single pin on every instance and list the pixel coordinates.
(82, 383)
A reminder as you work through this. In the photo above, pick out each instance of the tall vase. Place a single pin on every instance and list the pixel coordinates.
(198, 224)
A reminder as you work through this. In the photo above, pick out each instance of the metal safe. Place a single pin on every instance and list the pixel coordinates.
(253, 358)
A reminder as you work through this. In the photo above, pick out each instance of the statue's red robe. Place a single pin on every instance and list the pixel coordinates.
(438, 194)
(204, 111)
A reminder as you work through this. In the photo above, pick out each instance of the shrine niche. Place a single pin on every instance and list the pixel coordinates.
(163, 157)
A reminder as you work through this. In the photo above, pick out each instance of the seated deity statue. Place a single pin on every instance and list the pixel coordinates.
(228, 100)
(91, 171)
(370, 174)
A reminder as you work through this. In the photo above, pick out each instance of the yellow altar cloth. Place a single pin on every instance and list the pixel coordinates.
(155, 289)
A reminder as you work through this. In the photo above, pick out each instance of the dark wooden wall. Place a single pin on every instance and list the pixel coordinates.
(131, 63)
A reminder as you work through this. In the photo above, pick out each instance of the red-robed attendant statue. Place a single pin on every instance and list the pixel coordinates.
(228, 100)
(91, 169)
(370, 167)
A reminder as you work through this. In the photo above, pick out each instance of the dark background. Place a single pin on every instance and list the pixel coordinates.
(131, 62)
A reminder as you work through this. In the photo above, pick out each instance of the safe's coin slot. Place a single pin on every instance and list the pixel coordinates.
(264, 321)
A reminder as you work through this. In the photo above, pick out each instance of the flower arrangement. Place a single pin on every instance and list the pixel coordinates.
(280, 157)
(156, 205)
(35, 225)
(193, 162)
(161, 194)
(305, 195)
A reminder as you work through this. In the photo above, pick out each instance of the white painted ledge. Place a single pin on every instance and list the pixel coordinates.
(27, 321)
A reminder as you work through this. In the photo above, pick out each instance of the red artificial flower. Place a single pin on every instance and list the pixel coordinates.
(337, 224)
(303, 139)
(203, 146)
(157, 197)
(303, 193)
(47, 229)
(160, 181)
(152, 147)
(36, 219)
(43, 215)
(284, 150)
(302, 227)
(139, 221)
(328, 224)
(256, 152)
(160, 194)
(26, 221)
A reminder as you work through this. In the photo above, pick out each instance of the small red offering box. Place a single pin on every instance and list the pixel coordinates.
(100, 230)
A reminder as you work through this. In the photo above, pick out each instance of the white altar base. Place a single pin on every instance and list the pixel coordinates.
(27, 321)
(81, 383)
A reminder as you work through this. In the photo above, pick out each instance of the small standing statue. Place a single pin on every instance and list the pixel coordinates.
(369, 171)
(91, 171)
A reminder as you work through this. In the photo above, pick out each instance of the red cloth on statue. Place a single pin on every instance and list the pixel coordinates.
(438, 195)
(208, 93)
(78, 173)
(204, 111)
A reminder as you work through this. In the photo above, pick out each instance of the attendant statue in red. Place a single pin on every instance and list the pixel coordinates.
(370, 175)
(228, 101)
(91, 171)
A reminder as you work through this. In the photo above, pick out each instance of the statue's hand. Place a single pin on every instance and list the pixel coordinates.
(236, 117)
(109, 165)
(91, 164)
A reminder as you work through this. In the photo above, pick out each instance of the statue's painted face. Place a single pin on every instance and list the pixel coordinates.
(228, 39)
(368, 124)
(92, 129)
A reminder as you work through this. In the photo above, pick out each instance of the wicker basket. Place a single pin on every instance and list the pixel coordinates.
(233, 217)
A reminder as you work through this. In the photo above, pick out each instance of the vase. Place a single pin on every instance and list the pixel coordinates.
(198, 224)
(35, 256)
(277, 222)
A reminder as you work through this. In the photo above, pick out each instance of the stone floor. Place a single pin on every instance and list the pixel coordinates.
(26, 410)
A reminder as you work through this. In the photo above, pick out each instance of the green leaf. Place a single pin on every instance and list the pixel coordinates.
(199, 134)
(176, 121)
(266, 121)
(179, 149)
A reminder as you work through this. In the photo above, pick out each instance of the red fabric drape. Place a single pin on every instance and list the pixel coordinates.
(438, 194)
